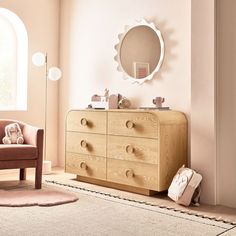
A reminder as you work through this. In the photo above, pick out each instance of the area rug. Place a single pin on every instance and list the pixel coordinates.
(41, 197)
(104, 214)
(144, 200)
(98, 215)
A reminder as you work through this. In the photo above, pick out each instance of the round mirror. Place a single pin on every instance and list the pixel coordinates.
(140, 52)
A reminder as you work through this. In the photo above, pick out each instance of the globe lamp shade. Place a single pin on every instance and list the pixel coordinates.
(38, 59)
(54, 73)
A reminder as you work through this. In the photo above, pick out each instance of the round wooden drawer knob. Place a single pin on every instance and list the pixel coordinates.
(129, 124)
(83, 144)
(83, 122)
(83, 165)
(129, 173)
(129, 149)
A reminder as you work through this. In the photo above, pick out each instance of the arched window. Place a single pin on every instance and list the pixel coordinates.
(13, 62)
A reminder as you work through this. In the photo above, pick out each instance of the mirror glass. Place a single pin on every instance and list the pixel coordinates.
(140, 52)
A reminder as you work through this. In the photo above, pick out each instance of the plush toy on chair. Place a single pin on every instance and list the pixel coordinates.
(13, 134)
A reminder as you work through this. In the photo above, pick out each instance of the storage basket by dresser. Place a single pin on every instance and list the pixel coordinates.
(134, 150)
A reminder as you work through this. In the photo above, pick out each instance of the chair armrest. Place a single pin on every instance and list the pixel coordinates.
(33, 135)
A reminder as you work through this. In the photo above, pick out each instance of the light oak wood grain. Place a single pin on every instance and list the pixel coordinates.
(108, 184)
(141, 124)
(86, 143)
(173, 152)
(140, 149)
(132, 149)
(132, 173)
(86, 121)
(85, 165)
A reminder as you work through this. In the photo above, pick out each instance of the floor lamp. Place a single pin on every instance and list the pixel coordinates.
(53, 73)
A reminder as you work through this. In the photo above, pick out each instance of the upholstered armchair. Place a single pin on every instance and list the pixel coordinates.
(22, 156)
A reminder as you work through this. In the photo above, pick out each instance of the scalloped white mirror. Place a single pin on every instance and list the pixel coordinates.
(140, 51)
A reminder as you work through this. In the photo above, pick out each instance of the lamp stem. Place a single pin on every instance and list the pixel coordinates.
(46, 98)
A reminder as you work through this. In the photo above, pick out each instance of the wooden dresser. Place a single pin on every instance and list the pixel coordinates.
(134, 150)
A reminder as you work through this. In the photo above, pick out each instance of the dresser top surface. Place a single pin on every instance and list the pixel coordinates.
(162, 115)
(151, 110)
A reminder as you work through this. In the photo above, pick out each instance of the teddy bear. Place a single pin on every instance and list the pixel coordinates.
(13, 134)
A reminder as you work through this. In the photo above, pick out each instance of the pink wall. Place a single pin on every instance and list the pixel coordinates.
(226, 102)
(41, 19)
(203, 112)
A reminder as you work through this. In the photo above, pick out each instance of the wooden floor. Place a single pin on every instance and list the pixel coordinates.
(9, 179)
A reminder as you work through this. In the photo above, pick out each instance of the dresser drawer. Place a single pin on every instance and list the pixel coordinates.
(132, 124)
(85, 143)
(86, 121)
(132, 149)
(132, 173)
(85, 165)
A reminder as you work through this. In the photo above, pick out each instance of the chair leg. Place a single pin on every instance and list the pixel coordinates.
(38, 177)
(22, 174)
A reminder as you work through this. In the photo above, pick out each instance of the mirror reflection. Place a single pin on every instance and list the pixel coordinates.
(140, 51)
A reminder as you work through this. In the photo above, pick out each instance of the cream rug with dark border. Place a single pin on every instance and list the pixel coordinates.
(99, 213)
(111, 214)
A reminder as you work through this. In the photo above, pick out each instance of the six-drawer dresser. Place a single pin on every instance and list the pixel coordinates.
(135, 150)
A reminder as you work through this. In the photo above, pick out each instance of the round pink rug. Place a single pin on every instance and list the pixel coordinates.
(40, 197)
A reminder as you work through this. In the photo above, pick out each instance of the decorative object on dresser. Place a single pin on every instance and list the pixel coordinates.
(124, 103)
(100, 101)
(134, 150)
(113, 101)
(158, 101)
(158, 104)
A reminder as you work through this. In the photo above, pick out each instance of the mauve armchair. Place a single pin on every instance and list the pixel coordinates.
(26, 155)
